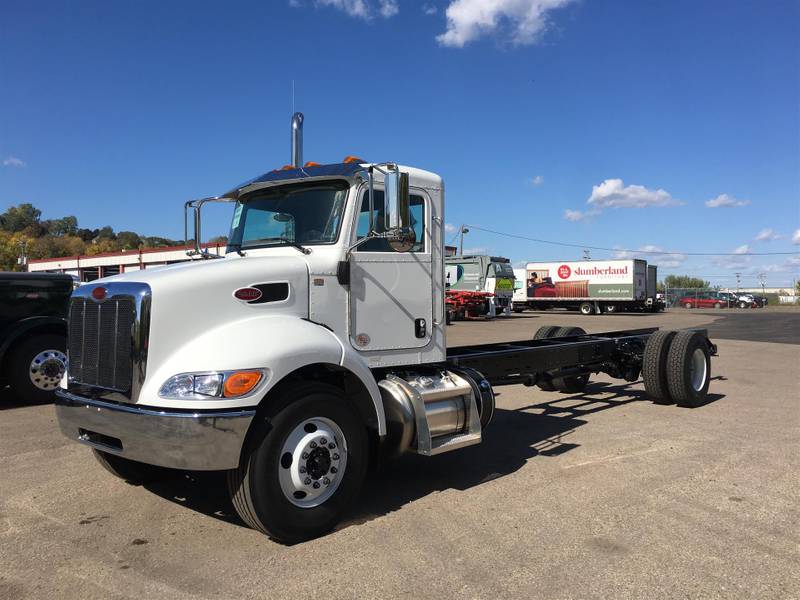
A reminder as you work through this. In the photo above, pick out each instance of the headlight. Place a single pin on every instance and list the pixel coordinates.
(214, 384)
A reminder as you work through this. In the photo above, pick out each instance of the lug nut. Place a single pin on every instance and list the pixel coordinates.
(305, 455)
(302, 469)
(307, 480)
(325, 480)
(335, 456)
(334, 470)
(331, 445)
(313, 444)
(323, 441)
(316, 485)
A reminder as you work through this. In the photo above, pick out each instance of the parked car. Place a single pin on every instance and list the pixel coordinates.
(703, 300)
(761, 301)
(33, 332)
(746, 301)
(731, 300)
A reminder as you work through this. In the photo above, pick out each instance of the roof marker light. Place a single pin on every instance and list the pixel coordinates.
(352, 159)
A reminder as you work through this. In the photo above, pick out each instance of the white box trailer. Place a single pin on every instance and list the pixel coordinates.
(591, 286)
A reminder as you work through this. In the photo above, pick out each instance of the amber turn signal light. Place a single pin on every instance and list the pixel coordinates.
(241, 382)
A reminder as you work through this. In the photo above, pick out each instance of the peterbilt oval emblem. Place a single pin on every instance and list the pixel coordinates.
(362, 339)
(99, 293)
(248, 294)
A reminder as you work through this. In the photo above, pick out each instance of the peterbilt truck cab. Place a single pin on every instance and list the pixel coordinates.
(313, 348)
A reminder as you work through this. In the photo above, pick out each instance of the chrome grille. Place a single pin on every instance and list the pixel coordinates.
(101, 342)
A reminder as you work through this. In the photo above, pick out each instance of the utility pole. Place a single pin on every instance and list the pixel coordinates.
(586, 254)
(738, 281)
(762, 278)
(461, 244)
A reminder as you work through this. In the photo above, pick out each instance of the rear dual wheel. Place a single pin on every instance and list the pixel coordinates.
(570, 385)
(676, 368)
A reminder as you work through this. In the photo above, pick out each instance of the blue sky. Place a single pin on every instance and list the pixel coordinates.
(610, 124)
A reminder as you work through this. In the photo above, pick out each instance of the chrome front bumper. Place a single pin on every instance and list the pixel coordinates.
(196, 441)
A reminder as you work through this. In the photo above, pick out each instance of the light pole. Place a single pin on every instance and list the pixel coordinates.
(762, 278)
(461, 244)
(738, 281)
(22, 260)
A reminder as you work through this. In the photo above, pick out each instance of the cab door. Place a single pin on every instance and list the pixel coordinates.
(391, 293)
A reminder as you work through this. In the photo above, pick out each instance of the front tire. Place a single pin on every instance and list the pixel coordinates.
(37, 366)
(297, 478)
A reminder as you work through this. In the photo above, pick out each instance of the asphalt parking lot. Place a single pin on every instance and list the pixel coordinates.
(597, 495)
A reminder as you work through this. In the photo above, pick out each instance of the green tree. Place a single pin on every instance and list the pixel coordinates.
(19, 218)
(685, 281)
(106, 233)
(63, 226)
(128, 240)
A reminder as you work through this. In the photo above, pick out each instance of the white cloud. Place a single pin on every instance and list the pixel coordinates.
(13, 161)
(796, 237)
(523, 22)
(579, 215)
(536, 180)
(388, 8)
(362, 9)
(429, 9)
(767, 235)
(655, 255)
(726, 201)
(738, 260)
(613, 193)
(450, 229)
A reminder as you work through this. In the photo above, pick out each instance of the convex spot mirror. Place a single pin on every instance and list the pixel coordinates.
(397, 211)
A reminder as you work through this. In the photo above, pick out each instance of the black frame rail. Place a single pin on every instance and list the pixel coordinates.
(618, 353)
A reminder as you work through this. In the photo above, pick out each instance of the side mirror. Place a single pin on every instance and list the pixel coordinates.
(397, 211)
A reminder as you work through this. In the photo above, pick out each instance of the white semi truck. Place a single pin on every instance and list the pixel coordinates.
(590, 286)
(315, 346)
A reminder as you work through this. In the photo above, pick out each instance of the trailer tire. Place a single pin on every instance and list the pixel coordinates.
(586, 308)
(689, 369)
(576, 383)
(129, 470)
(610, 308)
(268, 489)
(654, 366)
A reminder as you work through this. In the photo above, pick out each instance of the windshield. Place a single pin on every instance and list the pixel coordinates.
(502, 270)
(300, 213)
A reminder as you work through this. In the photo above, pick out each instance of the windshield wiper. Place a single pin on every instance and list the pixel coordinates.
(288, 242)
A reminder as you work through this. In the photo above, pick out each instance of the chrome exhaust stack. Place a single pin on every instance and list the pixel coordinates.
(297, 139)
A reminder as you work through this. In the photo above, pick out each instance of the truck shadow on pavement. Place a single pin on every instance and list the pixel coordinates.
(9, 400)
(539, 430)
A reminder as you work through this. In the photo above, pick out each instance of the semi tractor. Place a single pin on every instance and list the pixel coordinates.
(481, 273)
(316, 347)
(591, 287)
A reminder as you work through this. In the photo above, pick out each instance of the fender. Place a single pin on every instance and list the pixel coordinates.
(279, 343)
(15, 331)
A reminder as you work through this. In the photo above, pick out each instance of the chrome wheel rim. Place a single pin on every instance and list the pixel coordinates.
(312, 462)
(47, 368)
(698, 369)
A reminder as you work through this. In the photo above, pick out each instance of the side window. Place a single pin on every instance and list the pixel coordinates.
(379, 245)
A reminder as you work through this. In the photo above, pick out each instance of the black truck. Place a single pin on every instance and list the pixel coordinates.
(33, 332)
